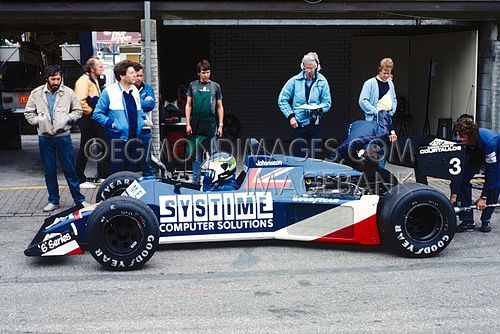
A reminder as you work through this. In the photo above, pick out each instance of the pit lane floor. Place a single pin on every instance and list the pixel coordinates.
(258, 287)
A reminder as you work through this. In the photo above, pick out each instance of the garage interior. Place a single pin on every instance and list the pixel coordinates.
(253, 63)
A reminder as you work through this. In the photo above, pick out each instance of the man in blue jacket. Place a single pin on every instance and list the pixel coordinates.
(147, 103)
(484, 147)
(119, 111)
(304, 100)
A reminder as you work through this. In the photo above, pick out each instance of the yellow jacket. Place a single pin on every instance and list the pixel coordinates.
(86, 87)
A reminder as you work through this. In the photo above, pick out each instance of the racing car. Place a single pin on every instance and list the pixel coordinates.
(278, 197)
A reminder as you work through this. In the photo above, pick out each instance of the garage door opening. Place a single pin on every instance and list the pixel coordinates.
(448, 61)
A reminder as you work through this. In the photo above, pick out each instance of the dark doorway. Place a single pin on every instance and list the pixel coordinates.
(180, 50)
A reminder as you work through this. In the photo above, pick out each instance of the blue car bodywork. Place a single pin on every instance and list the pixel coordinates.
(278, 199)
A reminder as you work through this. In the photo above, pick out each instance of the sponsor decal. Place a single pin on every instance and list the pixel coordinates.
(216, 212)
(314, 200)
(261, 163)
(53, 241)
(135, 190)
(439, 146)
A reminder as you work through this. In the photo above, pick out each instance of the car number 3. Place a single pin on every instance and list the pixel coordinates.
(456, 169)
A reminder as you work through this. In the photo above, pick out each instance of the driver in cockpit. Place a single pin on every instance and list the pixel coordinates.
(220, 173)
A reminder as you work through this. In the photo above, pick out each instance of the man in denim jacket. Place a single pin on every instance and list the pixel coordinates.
(304, 100)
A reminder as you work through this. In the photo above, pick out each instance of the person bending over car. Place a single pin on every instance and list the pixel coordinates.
(219, 176)
(484, 147)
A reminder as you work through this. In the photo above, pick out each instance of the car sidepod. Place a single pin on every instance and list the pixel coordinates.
(332, 220)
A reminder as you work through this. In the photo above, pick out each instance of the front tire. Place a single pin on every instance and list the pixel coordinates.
(416, 220)
(115, 185)
(122, 233)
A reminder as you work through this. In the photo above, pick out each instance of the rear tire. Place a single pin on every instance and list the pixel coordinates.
(115, 185)
(416, 220)
(122, 233)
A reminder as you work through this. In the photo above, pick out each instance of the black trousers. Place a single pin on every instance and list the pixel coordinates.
(89, 130)
(303, 139)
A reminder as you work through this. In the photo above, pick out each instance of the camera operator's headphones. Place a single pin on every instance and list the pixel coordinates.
(313, 55)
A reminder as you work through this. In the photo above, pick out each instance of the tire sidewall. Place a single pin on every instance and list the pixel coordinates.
(122, 206)
(115, 185)
(393, 217)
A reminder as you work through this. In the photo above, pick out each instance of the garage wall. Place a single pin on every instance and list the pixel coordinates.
(253, 64)
(453, 87)
(488, 114)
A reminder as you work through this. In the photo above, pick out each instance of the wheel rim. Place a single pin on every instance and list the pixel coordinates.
(118, 191)
(122, 235)
(423, 222)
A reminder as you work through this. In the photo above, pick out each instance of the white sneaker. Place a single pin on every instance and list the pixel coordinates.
(86, 204)
(87, 185)
(50, 207)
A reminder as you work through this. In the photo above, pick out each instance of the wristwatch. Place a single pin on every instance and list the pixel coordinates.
(483, 197)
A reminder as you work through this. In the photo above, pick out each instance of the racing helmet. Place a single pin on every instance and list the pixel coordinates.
(222, 164)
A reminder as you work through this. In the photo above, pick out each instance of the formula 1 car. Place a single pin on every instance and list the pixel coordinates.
(279, 197)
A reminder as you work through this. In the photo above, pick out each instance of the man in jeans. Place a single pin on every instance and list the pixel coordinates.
(53, 108)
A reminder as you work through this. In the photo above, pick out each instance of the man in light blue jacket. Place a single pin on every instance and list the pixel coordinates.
(119, 111)
(379, 96)
(304, 100)
(378, 93)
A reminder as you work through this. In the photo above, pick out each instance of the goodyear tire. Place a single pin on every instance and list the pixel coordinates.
(122, 233)
(415, 220)
(115, 185)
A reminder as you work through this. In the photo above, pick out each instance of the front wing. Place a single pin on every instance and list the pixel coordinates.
(61, 234)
